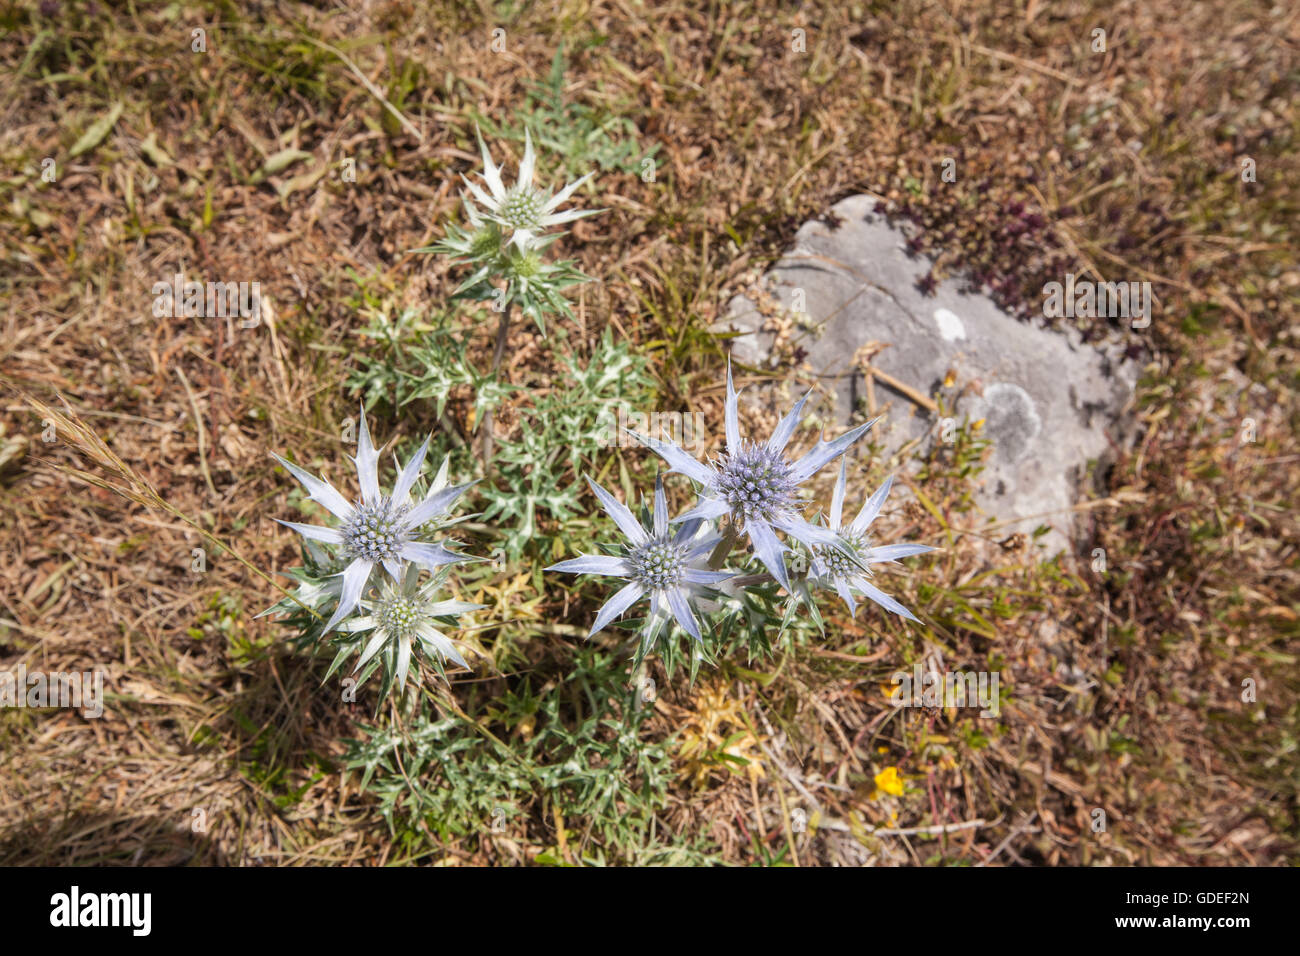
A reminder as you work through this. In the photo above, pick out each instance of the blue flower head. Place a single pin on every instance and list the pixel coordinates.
(668, 567)
(756, 485)
(379, 530)
(832, 567)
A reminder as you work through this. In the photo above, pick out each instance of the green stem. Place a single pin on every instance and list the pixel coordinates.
(503, 333)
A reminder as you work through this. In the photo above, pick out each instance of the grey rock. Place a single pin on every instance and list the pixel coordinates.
(1050, 403)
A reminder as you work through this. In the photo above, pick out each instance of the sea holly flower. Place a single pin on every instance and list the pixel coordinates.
(379, 529)
(538, 285)
(506, 240)
(521, 209)
(402, 616)
(669, 567)
(756, 486)
(832, 567)
(481, 245)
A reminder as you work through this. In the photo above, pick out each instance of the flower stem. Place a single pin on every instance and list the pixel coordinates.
(728, 543)
(503, 333)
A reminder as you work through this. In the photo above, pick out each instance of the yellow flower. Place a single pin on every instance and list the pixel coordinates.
(888, 781)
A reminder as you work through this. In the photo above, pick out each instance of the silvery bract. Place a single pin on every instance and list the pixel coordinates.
(670, 568)
(756, 485)
(377, 530)
(319, 584)
(520, 209)
(402, 615)
(831, 567)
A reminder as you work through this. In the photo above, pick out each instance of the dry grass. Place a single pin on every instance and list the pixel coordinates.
(1125, 689)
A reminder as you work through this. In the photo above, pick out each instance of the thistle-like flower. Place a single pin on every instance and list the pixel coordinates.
(756, 485)
(521, 209)
(378, 529)
(831, 567)
(404, 615)
(670, 568)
